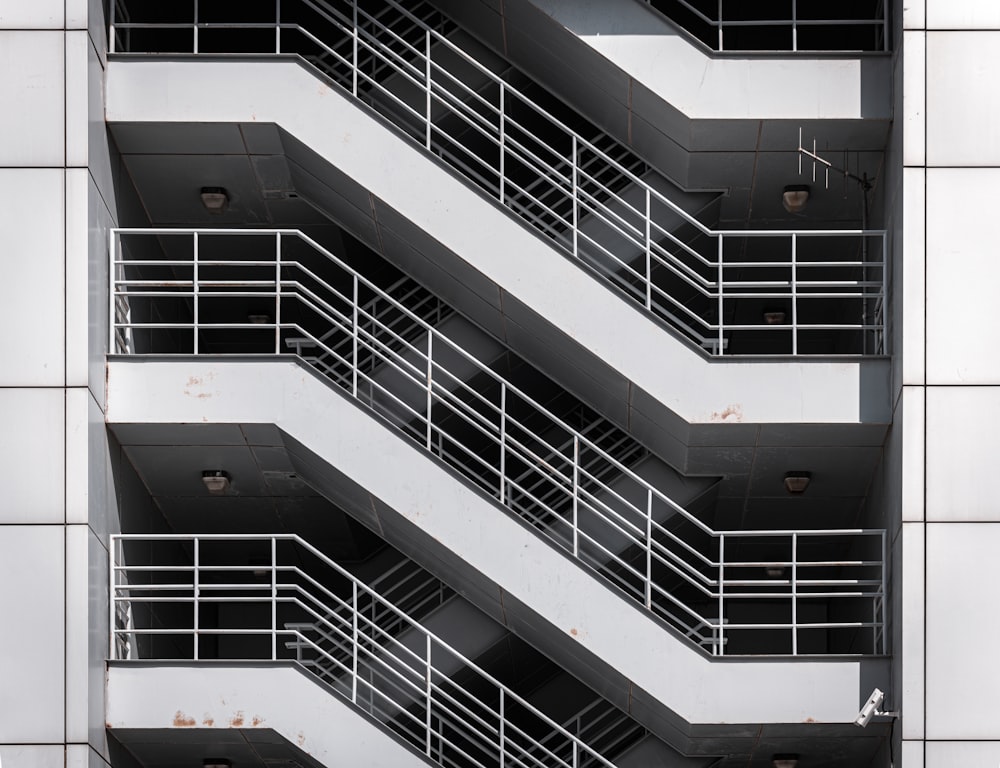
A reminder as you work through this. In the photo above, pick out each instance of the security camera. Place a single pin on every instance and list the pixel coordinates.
(871, 709)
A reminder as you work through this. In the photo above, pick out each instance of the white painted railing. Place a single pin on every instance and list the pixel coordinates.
(792, 26)
(192, 292)
(802, 287)
(171, 584)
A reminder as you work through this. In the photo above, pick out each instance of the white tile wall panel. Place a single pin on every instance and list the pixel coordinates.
(912, 754)
(911, 654)
(958, 754)
(77, 608)
(911, 284)
(77, 97)
(963, 272)
(962, 446)
(914, 14)
(914, 106)
(31, 292)
(963, 103)
(77, 242)
(962, 14)
(36, 14)
(911, 420)
(31, 658)
(963, 667)
(77, 445)
(32, 456)
(31, 133)
(32, 755)
(77, 14)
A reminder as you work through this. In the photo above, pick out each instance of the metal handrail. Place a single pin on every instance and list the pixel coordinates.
(592, 505)
(793, 22)
(380, 674)
(638, 249)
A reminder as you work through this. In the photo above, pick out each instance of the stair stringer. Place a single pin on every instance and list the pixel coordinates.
(499, 564)
(478, 257)
(277, 696)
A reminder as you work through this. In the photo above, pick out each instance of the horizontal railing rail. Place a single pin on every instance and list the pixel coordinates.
(181, 576)
(187, 291)
(578, 193)
(709, 21)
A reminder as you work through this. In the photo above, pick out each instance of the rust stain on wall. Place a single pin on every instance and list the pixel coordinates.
(732, 413)
(257, 720)
(301, 738)
(574, 632)
(183, 721)
(208, 721)
(237, 721)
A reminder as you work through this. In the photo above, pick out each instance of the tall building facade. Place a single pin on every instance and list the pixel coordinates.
(476, 383)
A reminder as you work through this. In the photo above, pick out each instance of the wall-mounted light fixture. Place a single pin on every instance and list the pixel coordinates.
(785, 761)
(794, 197)
(215, 199)
(774, 317)
(774, 571)
(259, 319)
(797, 481)
(216, 481)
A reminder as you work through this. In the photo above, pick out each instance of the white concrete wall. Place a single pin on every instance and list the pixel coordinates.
(324, 725)
(950, 385)
(54, 181)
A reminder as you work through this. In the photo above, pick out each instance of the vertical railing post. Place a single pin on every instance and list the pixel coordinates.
(503, 145)
(428, 693)
(795, 595)
(277, 293)
(195, 27)
(576, 200)
(277, 26)
(795, 25)
(114, 549)
(885, 298)
(429, 75)
(430, 386)
(503, 442)
(722, 301)
(576, 754)
(274, 599)
(883, 592)
(354, 54)
(500, 729)
(722, 605)
(649, 257)
(795, 300)
(355, 363)
(719, 22)
(194, 286)
(356, 642)
(196, 585)
(111, 27)
(649, 548)
(114, 238)
(576, 495)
